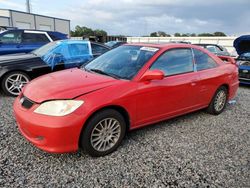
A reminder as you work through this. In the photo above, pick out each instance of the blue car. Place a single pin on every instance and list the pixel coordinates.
(242, 46)
(18, 69)
(24, 41)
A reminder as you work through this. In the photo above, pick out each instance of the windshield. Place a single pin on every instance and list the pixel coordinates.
(111, 43)
(245, 55)
(46, 48)
(123, 62)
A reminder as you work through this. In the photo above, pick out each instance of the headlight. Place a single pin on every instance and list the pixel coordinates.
(58, 107)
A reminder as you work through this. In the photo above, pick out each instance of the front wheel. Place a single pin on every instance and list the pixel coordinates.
(13, 82)
(219, 101)
(103, 133)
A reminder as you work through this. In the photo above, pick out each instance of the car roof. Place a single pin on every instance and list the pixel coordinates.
(207, 44)
(70, 41)
(162, 46)
(33, 30)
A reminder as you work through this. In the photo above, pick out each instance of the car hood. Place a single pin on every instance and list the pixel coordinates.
(66, 84)
(16, 58)
(242, 44)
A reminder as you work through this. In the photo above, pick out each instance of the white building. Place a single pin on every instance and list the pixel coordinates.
(24, 20)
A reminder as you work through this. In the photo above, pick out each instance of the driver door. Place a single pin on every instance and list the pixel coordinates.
(177, 93)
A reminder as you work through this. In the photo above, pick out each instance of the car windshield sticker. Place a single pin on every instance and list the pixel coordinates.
(150, 49)
(68, 54)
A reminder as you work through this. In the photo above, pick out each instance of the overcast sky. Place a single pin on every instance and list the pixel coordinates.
(141, 17)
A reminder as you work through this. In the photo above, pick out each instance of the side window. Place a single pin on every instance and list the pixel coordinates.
(203, 61)
(212, 49)
(54, 37)
(11, 37)
(98, 49)
(78, 50)
(34, 37)
(176, 61)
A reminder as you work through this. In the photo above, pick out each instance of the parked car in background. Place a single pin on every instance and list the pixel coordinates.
(184, 42)
(216, 49)
(115, 44)
(126, 88)
(23, 41)
(242, 46)
(18, 69)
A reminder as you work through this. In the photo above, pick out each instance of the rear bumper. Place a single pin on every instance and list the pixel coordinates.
(233, 90)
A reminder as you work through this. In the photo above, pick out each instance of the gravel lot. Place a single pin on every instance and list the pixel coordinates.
(195, 150)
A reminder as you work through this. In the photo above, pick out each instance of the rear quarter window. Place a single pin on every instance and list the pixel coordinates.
(203, 61)
(98, 49)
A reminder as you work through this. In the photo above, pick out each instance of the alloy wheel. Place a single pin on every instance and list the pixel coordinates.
(105, 134)
(15, 82)
(220, 100)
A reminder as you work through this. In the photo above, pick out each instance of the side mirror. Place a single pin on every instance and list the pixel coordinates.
(152, 75)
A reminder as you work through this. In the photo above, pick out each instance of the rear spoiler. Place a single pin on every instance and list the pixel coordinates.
(227, 59)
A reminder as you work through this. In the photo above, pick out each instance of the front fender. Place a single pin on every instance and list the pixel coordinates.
(5, 70)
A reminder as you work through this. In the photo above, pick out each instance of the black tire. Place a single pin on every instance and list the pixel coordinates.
(212, 108)
(88, 132)
(5, 85)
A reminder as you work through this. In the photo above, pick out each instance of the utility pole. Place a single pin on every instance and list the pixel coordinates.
(28, 6)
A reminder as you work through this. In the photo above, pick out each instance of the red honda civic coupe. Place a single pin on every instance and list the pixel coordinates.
(126, 88)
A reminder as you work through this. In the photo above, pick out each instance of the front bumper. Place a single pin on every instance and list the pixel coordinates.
(49, 133)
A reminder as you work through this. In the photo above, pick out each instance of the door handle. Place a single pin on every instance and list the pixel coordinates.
(194, 82)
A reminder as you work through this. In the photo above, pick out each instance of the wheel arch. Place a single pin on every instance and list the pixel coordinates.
(14, 70)
(226, 86)
(118, 108)
(10, 71)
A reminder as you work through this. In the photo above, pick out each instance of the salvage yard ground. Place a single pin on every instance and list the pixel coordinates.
(195, 150)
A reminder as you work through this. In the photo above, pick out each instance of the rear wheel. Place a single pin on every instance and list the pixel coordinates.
(219, 101)
(103, 133)
(13, 82)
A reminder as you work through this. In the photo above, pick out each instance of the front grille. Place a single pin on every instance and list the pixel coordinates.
(242, 74)
(26, 103)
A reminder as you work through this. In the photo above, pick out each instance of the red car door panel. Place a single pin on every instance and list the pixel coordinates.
(168, 97)
(176, 93)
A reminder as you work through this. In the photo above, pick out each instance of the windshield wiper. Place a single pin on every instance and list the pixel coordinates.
(105, 73)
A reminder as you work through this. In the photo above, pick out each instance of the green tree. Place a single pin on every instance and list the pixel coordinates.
(99, 32)
(159, 34)
(154, 34)
(205, 35)
(81, 31)
(177, 35)
(219, 34)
